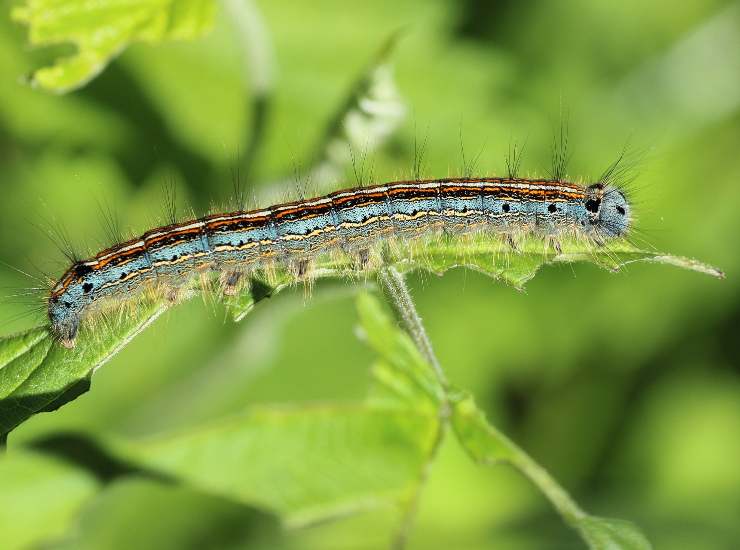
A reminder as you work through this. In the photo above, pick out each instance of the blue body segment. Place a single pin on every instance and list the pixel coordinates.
(303, 236)
(174, 255)
(237, 247)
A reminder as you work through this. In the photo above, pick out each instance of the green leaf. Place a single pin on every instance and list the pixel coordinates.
(167, 516)
(37, 374)
(493, 257)
(482, 441)
(486, 445)
(313, 462)
(242, 304)
(306, 463)
(40, 497)
(102, 29)
(402, 373)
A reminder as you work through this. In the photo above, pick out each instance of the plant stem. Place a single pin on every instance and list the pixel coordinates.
(398, 295)
(558, 497)
(395, 289)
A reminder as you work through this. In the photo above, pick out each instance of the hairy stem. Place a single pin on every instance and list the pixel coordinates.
(398, 295)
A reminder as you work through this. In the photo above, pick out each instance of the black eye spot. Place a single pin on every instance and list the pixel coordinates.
(505, 207)
(123, 275)
(67, 305)
(593, 205)
(87, 287)
(241, 243)
(552, 208)
(621, 210)
(174, 257)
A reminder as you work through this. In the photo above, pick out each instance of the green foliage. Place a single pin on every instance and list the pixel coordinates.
(305, 463)
(101, 30)
(401, 373)
(487, 445)
(40, 375)
(351, 456)
(189, 519)
(575, 369)
(44, 495)
(37, 374)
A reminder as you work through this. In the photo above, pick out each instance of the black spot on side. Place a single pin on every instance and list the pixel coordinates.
(552, 209)
(506, 207)
(592, 205)
(123, 275)
(174, 257)
(81, 270)
(87, 287)
(621, 210)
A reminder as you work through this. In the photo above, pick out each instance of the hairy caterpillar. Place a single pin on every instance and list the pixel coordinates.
(349, 221)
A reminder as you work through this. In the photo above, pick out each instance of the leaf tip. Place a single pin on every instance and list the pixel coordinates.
(690, 264)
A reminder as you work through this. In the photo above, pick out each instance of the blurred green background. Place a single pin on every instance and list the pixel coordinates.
(626, 387)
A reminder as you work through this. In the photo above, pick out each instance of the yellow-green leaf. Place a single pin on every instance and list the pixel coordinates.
(306, 463)
(38, 374)
(102, 29)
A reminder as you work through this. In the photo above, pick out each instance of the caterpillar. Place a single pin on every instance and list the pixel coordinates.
(349, 221)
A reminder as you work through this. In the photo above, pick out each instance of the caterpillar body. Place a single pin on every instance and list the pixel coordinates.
(350, 220)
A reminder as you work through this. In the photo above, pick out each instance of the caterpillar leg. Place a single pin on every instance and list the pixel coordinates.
(177, 293)
(598, 242)
(362, 259)
(511, 242)
(300, 268)
(231, 282)
(172, 294)
(554, 243)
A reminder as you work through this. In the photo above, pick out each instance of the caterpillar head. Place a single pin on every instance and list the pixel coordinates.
(609, 213)
(67, 301)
